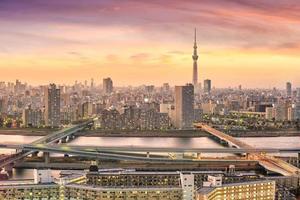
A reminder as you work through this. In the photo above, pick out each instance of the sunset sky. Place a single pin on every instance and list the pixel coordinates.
(255, 43)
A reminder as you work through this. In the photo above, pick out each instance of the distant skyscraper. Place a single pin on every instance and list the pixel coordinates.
(92, 83)
(107, 85)
(52, 106)
(166, 87)
(195, 65)
(288, 89)
(240, 87)
(207, 86)
(184, 106)
(298, 95)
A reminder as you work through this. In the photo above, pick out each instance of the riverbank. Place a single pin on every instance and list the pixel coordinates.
(185, 133)
(26, 132)
(283, 133)
(154, 133)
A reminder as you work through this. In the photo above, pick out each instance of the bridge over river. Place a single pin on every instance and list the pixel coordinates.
(269, 162)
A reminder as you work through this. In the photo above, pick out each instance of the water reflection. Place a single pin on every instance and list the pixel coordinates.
(200, 142)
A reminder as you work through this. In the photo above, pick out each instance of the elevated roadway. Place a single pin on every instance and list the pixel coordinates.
(36, 147)
(108, 155)
(49, 139)
(269, 162)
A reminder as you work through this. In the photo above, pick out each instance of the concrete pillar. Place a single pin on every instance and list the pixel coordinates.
(47, 157)
(63, 140)
(248, 156)
(9, 169)
(95, 162)
(35, 154)
(18, 151)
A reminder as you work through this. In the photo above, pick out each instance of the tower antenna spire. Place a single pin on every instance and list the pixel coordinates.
(195, 58)
(195, 41)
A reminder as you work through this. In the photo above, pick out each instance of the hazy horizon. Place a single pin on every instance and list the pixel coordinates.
(250, 43)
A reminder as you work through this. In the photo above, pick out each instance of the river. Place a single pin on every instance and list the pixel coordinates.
(197, 142)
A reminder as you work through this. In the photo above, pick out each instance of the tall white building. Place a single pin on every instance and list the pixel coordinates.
(188, 186)
(42, 176)
(270, 113)
(52, 106)
(296, 111)
(184, 106)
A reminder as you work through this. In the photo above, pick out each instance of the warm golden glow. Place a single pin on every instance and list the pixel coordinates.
(150, 43)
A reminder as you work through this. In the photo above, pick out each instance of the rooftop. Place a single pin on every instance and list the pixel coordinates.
(206, 190)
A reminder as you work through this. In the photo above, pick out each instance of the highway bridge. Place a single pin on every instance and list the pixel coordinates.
(49, 139)
(49, 144)
(110, 155)
(127, 152)
(122, 149)
(269, 162)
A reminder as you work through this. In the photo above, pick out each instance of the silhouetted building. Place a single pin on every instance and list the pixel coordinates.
(184, 106)
(207, 86)
(107, 85)
(288, 89)
(52, 106)
(32, 117)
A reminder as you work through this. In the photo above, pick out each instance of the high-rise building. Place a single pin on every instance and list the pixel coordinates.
(107, 85)
(188, 185)
(195, 65)
(92, 83)
(31, 117)
(207, 86)
(149, 88)
(184, 106)
(52, 106)
(165, 87)
(298, 95)
(291, 113)
(3, 104)
(281, 111)
(296, 111)
(288, 89)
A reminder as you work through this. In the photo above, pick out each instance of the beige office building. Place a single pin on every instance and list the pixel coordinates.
(254, 190)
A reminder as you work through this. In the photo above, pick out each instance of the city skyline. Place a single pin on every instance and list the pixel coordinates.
(132, 42)
(150, 99)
